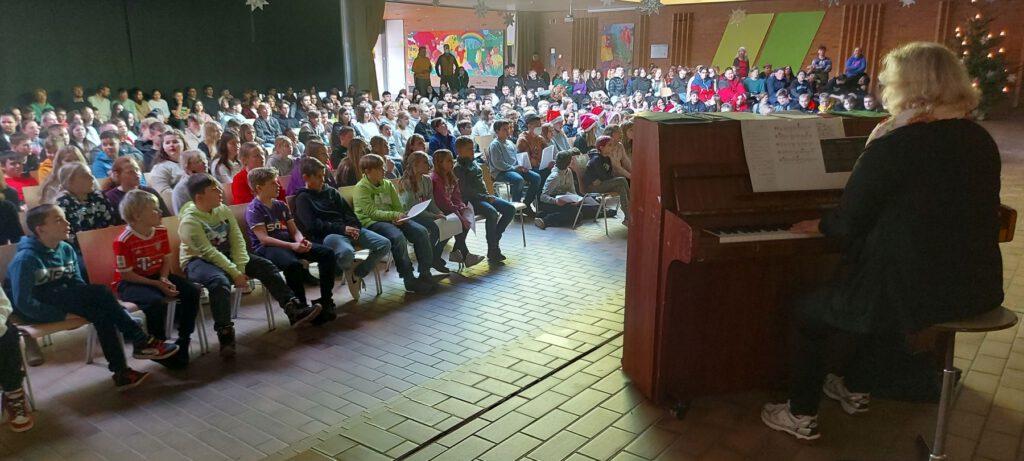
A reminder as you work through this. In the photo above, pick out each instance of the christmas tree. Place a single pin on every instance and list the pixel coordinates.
(984, 56)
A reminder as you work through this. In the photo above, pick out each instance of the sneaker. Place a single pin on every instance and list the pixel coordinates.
(353, 283)
(494, 255)
(33, 354)
(414, 285)
(179, 360)
(298, 314)
(327, 314)
(129, 379)
(16, 412)
(540, 223)
(430, 279)
(472, 260)
(226, 338)
(441, 267)
(456, 256)
(777, 416)
(154, 349)
(852, 402)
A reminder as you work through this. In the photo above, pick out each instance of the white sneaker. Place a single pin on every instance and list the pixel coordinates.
(472, 260)
(852, 402)
(353, 283)
(455, 256)
(777, 416)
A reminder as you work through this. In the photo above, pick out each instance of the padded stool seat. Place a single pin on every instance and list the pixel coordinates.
(996, 319)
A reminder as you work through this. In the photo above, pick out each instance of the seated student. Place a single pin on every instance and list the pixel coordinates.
(329, 220)
(621, 163)
(225, 164)
(378, 207)
(144, 273)
(416, 188)
(281, 157)
(502, 158)
(442, 138)
(348, 172)
(783, 101)
(13, 169)
(192, 162)
(110, 148)
(166, 172)
(47, 285)
(599, 177)
(560, 212)
(497, 212)
(392, 165)
(15, 408)
(85, 206)
(449, 199)
(251, 156)
(124, 176)
(315, 148)
(274, 236)
(213, 255)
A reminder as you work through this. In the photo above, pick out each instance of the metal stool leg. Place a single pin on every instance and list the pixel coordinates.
(204, 344)
(271, 324)
(24, 366)
(938, 450)
(172, 307)
(90, 342)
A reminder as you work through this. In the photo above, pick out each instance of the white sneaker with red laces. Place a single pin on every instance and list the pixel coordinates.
(777, 416)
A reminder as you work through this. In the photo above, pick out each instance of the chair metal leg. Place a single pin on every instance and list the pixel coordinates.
(579, 211)
(204, 342)
(271, 324)
(945, 401)
(172, 306)
(24, 366)
(90, 342)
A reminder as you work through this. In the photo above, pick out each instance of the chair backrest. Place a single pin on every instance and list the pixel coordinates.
(398, 184)
(290, 200)
(174, 241)
(147, 177)
(98, 255)
(168, 199)
(239, 212)
(347, 193)
(33, 195)
(488, 180)
(483, 142)
(7, 253)
(229, 197)
(578, 165)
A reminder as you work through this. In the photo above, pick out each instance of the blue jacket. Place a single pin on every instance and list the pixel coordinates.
(772, 85)
(856, 66)
(101, 163)
(37, 268)
(441, 142)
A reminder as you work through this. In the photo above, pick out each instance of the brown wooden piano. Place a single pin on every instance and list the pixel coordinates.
(704, 316)
(708, 314)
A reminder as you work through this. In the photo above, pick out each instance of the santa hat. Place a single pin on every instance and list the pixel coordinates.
(587, 122)
(553, 116)
(597, 110)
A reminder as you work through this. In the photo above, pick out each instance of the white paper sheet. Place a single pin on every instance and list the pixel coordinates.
(416, 209)
(568, 198)
(785, 154)
(449, 226)
(524, 160)
(547, 156)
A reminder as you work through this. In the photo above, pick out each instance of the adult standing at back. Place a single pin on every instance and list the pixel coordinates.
(421, 72)
(445, 66)
(919, 228)
(740, 64)
(856, 65)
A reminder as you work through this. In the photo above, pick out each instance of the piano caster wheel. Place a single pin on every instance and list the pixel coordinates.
(679, 410)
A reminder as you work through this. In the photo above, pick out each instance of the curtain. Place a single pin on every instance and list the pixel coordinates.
(527, 29)
(361, 24)
(374, 26)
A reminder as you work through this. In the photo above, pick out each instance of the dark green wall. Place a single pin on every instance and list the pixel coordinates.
(166, 44)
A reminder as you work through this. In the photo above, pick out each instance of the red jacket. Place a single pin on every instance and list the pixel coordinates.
(728, 90)
(242, 194)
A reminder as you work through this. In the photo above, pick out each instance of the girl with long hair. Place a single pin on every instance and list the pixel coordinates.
(225, 164)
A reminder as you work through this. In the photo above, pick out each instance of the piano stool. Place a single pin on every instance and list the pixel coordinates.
(996, 319)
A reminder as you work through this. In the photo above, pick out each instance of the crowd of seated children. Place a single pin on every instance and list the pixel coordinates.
(275, 237)
(214, 255)
(47, 284)
(143, 258)
(379, 208)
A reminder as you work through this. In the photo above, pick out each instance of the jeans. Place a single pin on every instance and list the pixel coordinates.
(860, 370)
(98, 305)
(295, 273)
(618, 185)
(400, 237)
(219, 285)
(345, 251)
(516, 180)
(435, 233)
(152, 302)
(498, 215)
(11, 373)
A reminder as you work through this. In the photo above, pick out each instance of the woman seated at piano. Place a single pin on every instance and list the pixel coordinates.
(918, 224)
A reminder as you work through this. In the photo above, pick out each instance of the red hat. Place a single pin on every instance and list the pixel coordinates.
(598, 110)
(554, 115)
(587, 122)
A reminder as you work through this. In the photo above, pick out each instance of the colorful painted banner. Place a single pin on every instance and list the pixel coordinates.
(616, 46)
(748, 33)
(480, 52)
(790, 39)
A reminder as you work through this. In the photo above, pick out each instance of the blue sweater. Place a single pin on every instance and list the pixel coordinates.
(38, 268)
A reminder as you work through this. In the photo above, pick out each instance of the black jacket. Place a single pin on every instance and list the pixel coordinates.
(919, 226)
(599, 168)
(322, 213)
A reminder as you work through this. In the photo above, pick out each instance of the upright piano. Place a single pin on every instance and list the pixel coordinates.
(711, 268)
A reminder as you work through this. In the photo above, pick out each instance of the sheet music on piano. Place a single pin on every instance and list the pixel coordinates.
(784, 153)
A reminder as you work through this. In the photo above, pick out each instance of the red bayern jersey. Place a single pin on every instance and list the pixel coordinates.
(139, 254)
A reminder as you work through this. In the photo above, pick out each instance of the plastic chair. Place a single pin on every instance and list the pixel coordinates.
(578, 165)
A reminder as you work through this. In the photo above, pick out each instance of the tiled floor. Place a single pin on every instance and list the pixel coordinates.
(517, 362)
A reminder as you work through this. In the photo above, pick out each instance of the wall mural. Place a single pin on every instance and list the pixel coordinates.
(480, 52)
(616, 46)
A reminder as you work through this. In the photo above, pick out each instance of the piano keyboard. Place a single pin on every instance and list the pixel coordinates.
(757, 234)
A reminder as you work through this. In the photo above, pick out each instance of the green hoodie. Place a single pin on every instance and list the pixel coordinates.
(378, 203)
(212, 237)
